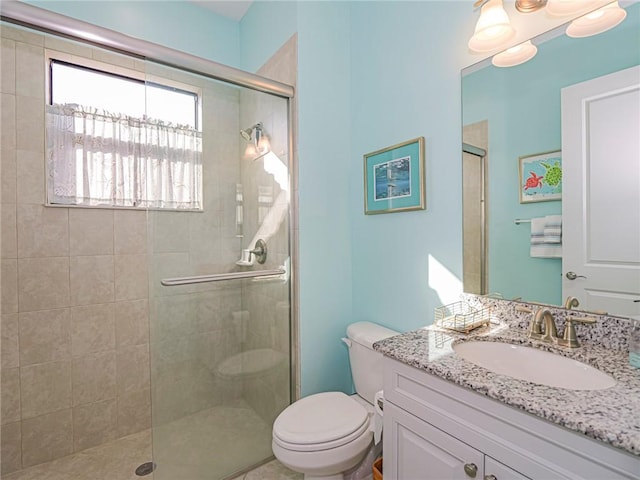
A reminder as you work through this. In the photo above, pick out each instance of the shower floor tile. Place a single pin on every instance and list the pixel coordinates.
(117, 460)
(211, 444)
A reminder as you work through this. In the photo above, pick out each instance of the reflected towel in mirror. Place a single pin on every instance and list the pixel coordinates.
(542, 245)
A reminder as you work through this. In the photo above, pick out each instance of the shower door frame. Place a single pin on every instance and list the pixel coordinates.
(50, 22)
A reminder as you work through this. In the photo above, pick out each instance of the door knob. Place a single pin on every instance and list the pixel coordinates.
(470, 469)
(573, 275)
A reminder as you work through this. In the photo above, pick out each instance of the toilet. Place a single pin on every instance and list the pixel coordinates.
(329, 434)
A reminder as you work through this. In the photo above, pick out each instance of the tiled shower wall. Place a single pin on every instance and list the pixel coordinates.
(75, 282)
(75, 347)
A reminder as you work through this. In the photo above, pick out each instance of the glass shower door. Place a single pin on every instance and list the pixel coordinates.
(220, 359)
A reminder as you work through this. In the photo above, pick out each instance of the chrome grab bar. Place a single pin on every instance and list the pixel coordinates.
(219, 277)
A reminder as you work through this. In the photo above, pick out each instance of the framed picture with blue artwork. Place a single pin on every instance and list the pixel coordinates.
(394, 178)
(541, 177)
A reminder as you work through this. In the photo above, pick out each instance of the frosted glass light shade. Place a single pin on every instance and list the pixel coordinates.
(561, 8)
(515, 55)
(596, 22)
(493, 29)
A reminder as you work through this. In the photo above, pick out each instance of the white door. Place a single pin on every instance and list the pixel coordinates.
(601, 192)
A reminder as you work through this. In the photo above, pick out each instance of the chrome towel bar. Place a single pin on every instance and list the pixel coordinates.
(220, 277)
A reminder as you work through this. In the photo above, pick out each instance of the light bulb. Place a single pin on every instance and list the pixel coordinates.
(515, 55)
(493, 28)
(599, 21)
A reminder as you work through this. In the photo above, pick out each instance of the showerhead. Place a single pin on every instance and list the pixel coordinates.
(246, 133)
(259, 144)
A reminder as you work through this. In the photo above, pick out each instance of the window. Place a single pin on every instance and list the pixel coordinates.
(115, 140)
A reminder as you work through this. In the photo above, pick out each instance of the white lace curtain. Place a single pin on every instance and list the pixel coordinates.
(101, 159)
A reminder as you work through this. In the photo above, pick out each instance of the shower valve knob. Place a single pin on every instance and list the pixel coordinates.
(260, 251)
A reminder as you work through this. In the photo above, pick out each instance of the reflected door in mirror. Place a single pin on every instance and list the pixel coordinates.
(601, 203)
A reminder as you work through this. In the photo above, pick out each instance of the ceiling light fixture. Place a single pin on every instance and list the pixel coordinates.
(596, 22)
(493, 28)
(561, 8)
(515, 55)
(528, 6)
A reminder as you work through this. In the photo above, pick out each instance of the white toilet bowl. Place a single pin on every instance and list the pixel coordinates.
(323, 435)
(329, 435)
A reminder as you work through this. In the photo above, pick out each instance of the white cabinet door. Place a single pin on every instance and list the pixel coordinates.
(419, 451)
(494, 470)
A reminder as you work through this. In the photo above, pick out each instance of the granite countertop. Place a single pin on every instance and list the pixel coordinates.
(611, 415)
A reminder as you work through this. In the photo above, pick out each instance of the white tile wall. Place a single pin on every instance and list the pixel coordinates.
(63, 334)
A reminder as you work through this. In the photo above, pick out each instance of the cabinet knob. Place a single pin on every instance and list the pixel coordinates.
(490, 477)
(470, 469)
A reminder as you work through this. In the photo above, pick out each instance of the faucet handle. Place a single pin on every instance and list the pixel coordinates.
(569, 337)
(520, 308)
(573, 318)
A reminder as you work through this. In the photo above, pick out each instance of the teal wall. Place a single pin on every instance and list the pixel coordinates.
(324, 154)
(406, 62)
(522, 105)
(176, 24)
(264, 28)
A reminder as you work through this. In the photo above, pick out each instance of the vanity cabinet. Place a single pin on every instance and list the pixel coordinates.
(426, 452)
(434, 429)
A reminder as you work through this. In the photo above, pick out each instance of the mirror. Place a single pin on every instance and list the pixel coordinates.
(510, 116)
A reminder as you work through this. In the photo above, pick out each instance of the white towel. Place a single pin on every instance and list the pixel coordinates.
(553, 229)
(540, 248)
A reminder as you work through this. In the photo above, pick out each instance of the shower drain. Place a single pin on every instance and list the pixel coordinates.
(145, 469)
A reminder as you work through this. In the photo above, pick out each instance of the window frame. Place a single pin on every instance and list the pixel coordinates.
(126, 73)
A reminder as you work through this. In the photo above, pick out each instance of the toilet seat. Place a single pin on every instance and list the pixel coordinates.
(320, 422)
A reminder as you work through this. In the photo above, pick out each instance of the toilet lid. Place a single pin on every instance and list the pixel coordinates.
(325, 418)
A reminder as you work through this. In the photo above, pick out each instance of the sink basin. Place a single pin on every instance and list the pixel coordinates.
(534, 365)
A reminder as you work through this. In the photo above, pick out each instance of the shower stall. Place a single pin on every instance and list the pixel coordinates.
(163, 315)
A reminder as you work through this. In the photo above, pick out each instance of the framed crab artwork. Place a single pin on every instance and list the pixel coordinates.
(541, 177)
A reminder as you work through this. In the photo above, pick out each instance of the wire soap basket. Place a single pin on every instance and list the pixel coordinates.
(461, 317)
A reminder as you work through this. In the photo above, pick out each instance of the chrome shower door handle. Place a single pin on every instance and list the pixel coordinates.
(573, 275)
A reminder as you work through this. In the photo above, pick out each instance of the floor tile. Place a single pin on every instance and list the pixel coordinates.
(185, 450)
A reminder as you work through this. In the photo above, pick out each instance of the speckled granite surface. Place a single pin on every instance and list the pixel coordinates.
(611, 415)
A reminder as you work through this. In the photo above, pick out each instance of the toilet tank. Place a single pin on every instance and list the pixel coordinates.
(366, 364)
